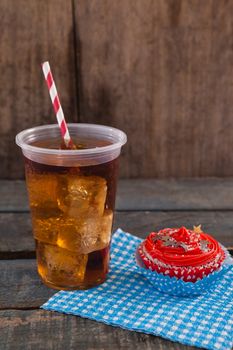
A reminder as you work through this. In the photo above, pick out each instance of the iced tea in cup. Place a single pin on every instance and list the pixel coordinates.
(72, 198)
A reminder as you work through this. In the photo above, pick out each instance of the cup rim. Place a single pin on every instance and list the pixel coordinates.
(119, 135)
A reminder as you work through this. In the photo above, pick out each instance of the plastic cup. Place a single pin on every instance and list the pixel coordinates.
(72, 199)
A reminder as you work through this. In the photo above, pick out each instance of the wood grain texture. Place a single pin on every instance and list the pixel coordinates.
(21, 286)
(16, 227)
(13, 196)
(161, 71)
(185, 194)
(218, 224)
(147, 194)
(16, 235)
(51, 330)
(23, 326)
(32, 32)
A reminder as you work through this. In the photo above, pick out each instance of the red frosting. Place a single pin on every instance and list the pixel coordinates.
(177, 248)
(177, 254)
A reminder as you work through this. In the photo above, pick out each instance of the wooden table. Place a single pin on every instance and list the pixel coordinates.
(142, 205)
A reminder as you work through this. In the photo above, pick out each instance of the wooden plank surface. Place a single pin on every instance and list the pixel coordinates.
(51, 330)
(32, 32)
(24, 326)
(161, 71)
(16, 239)
(21, 286)
(185, 194)
(15, 234)
(13, 196)
(150, 194)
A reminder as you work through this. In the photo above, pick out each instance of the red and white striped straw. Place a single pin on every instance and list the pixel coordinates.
(56, 104)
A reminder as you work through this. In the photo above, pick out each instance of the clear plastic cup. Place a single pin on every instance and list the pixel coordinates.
(72, 199)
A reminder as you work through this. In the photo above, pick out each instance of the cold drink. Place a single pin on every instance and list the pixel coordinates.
(72, 206)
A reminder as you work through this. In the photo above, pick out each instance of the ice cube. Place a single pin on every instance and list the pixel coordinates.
(60, 265)
(41, 188)
(68, 236)
(105, 229)
(88, 234)
(78, 235)
(46, 230)
(83, 194)
(43, 191)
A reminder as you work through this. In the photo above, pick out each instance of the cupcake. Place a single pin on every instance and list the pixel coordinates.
(188, 255)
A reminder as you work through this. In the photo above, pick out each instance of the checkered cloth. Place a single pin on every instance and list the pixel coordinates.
(128, 300)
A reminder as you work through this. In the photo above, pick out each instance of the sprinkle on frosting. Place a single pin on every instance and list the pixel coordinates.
(197, 229)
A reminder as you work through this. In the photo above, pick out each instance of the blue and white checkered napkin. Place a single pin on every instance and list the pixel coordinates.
(129, 301)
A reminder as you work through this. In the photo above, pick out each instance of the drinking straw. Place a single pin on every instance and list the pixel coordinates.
(56, 104)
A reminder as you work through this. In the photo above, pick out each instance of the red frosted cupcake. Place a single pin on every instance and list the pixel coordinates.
(189, 255)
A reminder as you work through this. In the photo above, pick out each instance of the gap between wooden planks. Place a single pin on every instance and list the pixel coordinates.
(16, 238)
(145, 194)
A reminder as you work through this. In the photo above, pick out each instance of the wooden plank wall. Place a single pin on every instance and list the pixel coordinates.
(30, 33)
(162, 70)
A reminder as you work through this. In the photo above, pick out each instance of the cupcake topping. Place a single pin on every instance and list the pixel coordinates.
(181, 247)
